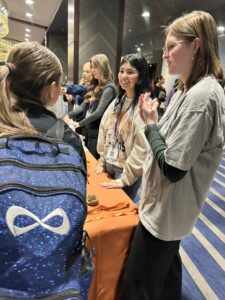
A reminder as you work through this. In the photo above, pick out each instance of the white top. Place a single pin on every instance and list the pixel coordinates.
(193, 127)
(122, 143)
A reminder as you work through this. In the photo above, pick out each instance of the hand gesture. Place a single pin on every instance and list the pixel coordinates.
(63, 90)
(73, 125)
(111, 184)
(99, 169)
(69, 97)
(148, 109)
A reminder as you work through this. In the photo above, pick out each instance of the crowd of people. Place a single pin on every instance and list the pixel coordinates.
(171, 154)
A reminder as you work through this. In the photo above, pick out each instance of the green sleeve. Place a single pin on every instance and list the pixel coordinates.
(158, 147)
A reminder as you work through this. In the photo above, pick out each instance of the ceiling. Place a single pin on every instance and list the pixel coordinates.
(43, 12)
(145, 33)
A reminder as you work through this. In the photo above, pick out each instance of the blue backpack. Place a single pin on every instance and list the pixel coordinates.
(42, 213)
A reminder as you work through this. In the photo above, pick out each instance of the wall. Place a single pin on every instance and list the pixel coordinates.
(222, 49)
(98, 30)
(58, 44)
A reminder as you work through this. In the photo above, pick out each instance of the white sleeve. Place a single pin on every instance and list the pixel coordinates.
(102, 134)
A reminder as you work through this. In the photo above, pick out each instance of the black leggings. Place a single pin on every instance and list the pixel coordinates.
(91, 144)
(153, 270)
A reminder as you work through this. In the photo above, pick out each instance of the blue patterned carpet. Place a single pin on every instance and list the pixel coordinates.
(203, 252)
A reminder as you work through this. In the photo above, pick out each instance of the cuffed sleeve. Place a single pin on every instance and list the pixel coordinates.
(158, 147)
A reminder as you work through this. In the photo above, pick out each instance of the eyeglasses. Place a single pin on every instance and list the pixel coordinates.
(168, 48)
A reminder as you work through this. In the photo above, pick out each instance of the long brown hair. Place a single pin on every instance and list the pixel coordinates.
(29, 68)
(200, 24)
(94, 92)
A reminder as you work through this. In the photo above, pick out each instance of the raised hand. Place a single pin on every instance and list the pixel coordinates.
(148, 109)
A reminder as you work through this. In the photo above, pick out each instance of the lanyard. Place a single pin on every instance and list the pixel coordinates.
(118, 115)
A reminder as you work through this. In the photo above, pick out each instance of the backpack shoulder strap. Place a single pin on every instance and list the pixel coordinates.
(57, 130)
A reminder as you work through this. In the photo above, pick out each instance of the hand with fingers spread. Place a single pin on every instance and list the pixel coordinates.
(148, 109)
(111, 184)
(99, 169)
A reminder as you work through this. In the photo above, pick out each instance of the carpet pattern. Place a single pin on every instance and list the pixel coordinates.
(203, 252)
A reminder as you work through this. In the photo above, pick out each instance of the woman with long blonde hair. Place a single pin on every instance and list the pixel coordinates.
(98, 97)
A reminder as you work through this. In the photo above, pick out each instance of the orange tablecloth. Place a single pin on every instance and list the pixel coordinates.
(110, 226)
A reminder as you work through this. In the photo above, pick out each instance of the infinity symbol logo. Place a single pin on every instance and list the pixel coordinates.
(15, 211)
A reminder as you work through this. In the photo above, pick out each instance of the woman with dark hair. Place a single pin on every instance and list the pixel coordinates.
(121, 142)
(158, 91)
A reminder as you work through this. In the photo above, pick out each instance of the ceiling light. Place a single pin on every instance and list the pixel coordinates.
(29, 15)
(27, 35)
(145, 14)
(28, 30)
(141, 44)
(26, 39)
(138, 49)
(221, 28)
(29, 2)
(129, 30)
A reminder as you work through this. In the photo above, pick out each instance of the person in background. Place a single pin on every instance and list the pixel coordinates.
(171, 93)
(185, 151)
(74, 93)
(158, 91)
(31, 81)
(158, 87)
(100, 94)
(122, 145)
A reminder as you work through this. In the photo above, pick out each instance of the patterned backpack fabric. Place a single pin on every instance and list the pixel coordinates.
(42, 213)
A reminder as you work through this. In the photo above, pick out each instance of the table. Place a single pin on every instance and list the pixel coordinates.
(110, 226)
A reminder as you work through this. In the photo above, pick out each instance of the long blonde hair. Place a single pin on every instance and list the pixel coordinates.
(94, 92)
(200, 24)
(87, 68)
(29, 68)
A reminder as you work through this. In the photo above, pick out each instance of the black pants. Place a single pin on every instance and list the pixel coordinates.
(91, 139)
(153, 270)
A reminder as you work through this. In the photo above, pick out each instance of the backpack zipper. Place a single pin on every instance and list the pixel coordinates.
(9, 161)
(60, 296)
(43, 191)
(68, 294)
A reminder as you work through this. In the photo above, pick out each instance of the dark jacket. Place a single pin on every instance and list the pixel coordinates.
(43, 119)
(77, 91)
(94, 111)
